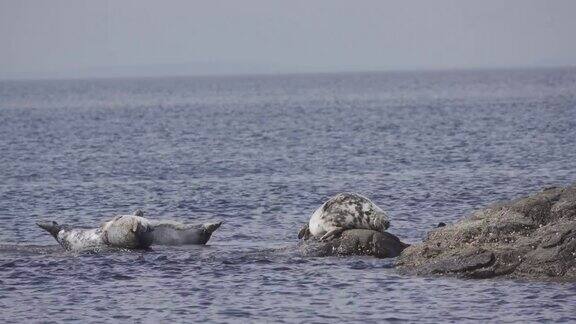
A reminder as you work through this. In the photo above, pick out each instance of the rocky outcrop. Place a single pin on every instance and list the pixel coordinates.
(355, 242)
(533, 237)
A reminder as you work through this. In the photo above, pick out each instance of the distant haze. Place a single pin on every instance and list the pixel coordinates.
(76, 38)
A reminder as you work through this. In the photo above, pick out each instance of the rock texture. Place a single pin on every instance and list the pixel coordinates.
(355, 242)
(533, 237)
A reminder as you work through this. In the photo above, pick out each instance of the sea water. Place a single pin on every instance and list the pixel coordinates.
(261, 153)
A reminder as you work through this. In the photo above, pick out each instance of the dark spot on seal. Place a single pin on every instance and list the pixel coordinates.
(441, 224)
(340, 218)
(359, 209)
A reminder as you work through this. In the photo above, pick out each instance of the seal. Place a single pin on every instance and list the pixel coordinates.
(343, 212)
(128, 232)
(168, 232)
(124, 231)
(74, 239)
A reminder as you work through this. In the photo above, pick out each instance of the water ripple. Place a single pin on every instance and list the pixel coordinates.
(261, 153)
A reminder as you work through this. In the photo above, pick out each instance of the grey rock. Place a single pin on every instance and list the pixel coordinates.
(528, 238)
(355, 242)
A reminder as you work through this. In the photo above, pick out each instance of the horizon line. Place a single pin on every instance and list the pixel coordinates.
(294, 73)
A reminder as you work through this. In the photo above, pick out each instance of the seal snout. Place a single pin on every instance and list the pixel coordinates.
(386, 224)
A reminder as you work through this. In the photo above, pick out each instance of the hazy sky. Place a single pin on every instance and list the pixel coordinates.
(76, 38)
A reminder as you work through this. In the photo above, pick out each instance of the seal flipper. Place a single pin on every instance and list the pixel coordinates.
(51, 227)
(334, 232)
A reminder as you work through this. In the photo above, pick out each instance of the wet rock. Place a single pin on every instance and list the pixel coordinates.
(355, 242)
(532, 237)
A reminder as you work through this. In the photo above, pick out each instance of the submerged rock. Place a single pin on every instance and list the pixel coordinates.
(355, 242)
(532, 237)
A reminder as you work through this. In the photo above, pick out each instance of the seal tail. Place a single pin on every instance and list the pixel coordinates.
(209, 228)
(50, 226)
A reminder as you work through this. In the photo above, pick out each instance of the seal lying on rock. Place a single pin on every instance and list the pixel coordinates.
(349, 224)
(345, 211)
(532, 237)
(168, 232)
(125, 231)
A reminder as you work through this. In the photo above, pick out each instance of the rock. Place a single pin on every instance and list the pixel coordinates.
(355, 242)
(530, 238)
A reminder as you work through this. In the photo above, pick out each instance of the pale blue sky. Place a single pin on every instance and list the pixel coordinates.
(76, 38)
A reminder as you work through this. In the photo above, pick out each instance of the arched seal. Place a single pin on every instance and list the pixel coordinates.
(168, 232)
(74, 239)
(342, 212)
(125, 231)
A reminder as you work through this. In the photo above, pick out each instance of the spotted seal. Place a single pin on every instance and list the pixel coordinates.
(74, 239)
(124, 231)
(168, 232)
(342, 212)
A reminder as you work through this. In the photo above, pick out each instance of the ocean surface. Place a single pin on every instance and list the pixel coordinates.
(261, 153)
